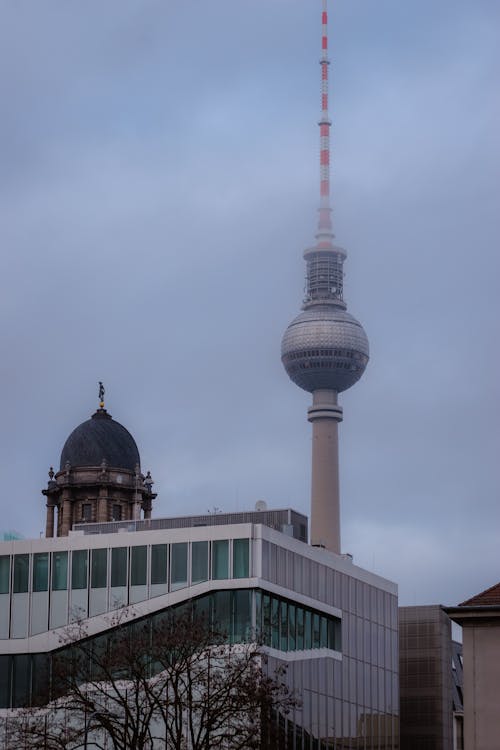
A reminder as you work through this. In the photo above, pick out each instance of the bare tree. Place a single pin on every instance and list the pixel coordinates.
(172, 681)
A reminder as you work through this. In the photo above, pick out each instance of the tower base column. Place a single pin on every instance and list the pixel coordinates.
(325, 414)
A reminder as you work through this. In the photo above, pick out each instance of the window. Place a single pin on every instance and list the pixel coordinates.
(21, 678)
(222, 611)
(119, 566)
(240, 558)
(79, 569)
(4, 574)
(199, 552)
(308, 630)
(98, 564)
(138, 570)
(242, 615)
(284, 626)
(300, 628)
(220, 559)
(159, 563)
(316, 633)
(59, 571)
(21, 568)
(117, 512)
(86, 512)
(292, 641)
(289, 626)
(41, 571)
(275, 633)
(179, 566)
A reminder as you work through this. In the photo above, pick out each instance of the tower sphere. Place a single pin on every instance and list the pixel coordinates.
(324, 347)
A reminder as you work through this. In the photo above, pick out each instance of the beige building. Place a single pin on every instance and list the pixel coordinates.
(480, 620)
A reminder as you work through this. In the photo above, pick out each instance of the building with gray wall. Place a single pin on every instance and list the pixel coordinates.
(431, 679)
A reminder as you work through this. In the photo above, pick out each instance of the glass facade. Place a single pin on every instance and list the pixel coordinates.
(229, 611)
(356, 700)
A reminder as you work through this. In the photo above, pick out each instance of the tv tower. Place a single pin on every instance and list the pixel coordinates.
(324, 349)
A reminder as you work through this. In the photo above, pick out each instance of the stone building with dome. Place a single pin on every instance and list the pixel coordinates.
(99, 478)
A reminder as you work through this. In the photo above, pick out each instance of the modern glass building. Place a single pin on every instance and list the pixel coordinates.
(335, 625)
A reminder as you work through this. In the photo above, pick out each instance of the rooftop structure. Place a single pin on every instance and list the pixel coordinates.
(325, 349)
(288, 521)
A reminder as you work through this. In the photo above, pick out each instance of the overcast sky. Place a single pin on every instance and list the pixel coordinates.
(158, 185)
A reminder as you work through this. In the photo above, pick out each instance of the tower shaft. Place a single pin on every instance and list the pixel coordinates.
(325, 415)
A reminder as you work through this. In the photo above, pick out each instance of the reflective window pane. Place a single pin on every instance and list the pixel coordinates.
(266, 619)
(308, 630)
(5, 663)
(79, 569)
(275, 633)
(119, 566)
(21, 569)
(242, 615)
(220, 559)
(159, 563)
(316, 633)
(284, 626)
(4, 574)
(98, 573)
(300, 628)
(199, 553)
(138, 570)
(323, 633)
(222, 611)
(292, 642)
(21, 680)
(240, 558)
(179, 565)
(59, 571)
(41, 571)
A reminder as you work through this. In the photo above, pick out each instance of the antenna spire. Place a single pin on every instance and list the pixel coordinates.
(325, 232)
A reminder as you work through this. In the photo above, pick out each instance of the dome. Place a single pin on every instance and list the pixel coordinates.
(100, 437)
(325, 347)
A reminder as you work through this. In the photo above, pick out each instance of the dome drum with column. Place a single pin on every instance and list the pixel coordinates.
(99, 479)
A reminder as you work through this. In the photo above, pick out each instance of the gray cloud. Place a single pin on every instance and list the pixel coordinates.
(158, 186)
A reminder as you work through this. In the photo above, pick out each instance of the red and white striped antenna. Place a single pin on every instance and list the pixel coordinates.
(325, 233)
